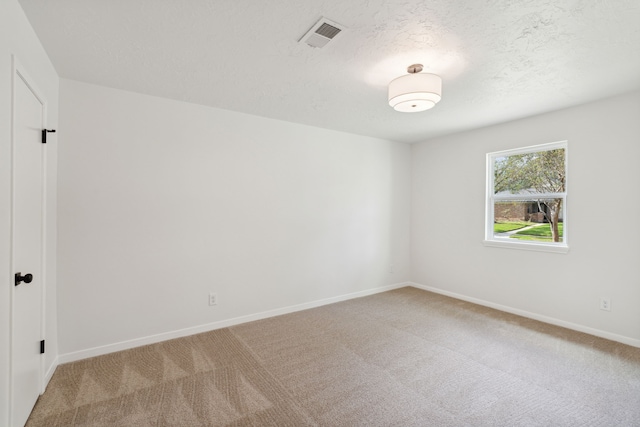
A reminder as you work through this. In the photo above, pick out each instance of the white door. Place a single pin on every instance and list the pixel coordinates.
(27, 240)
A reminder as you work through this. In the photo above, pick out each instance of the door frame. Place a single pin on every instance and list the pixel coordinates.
(18, 73)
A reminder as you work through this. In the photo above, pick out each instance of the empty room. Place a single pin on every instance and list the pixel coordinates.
(329, 213)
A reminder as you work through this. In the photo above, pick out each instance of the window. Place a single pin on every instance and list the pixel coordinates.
(527, 198)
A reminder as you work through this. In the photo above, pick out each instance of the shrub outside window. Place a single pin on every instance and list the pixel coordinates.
(526, 205)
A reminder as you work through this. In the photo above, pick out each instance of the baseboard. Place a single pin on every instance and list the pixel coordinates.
(152, 339)
(553, 321)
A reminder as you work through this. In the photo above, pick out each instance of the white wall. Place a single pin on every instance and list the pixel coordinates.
(162, 202)
(18, 38)
(447, 229)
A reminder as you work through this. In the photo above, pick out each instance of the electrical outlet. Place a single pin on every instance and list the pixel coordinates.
(605, 304)
(391, 269)
(213, 298)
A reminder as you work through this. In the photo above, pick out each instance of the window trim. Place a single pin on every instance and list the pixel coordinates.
(490, 199)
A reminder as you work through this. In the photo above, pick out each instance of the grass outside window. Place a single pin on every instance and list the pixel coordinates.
(528, 231)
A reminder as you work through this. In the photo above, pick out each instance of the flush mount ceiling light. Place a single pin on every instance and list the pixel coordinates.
(416, 91)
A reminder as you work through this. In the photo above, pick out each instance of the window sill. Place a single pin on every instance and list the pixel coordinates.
(527, 246)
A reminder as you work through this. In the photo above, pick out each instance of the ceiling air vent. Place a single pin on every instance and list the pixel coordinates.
(321, 33)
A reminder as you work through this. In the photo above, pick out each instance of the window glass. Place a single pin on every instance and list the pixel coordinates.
(526, 196)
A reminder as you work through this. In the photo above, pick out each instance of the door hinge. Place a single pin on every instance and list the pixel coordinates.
(44, 134)
(42, 347)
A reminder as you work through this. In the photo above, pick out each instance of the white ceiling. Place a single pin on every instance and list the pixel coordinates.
(499, 59)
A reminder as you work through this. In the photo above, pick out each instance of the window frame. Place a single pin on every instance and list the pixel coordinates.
(491, 199)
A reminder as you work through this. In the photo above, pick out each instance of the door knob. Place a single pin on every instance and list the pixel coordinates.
(27, 278)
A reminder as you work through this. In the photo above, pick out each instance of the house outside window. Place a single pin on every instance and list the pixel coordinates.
(526, 202)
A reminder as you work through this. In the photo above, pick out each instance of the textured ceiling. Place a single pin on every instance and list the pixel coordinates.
(499, 59)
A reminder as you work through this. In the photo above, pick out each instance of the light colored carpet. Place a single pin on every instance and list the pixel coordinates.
(400, 358)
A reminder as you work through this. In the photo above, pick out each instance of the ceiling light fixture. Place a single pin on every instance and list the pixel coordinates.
(416, 91)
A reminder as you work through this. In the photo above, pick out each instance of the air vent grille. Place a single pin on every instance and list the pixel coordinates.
(321, 33)
(328, 31)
